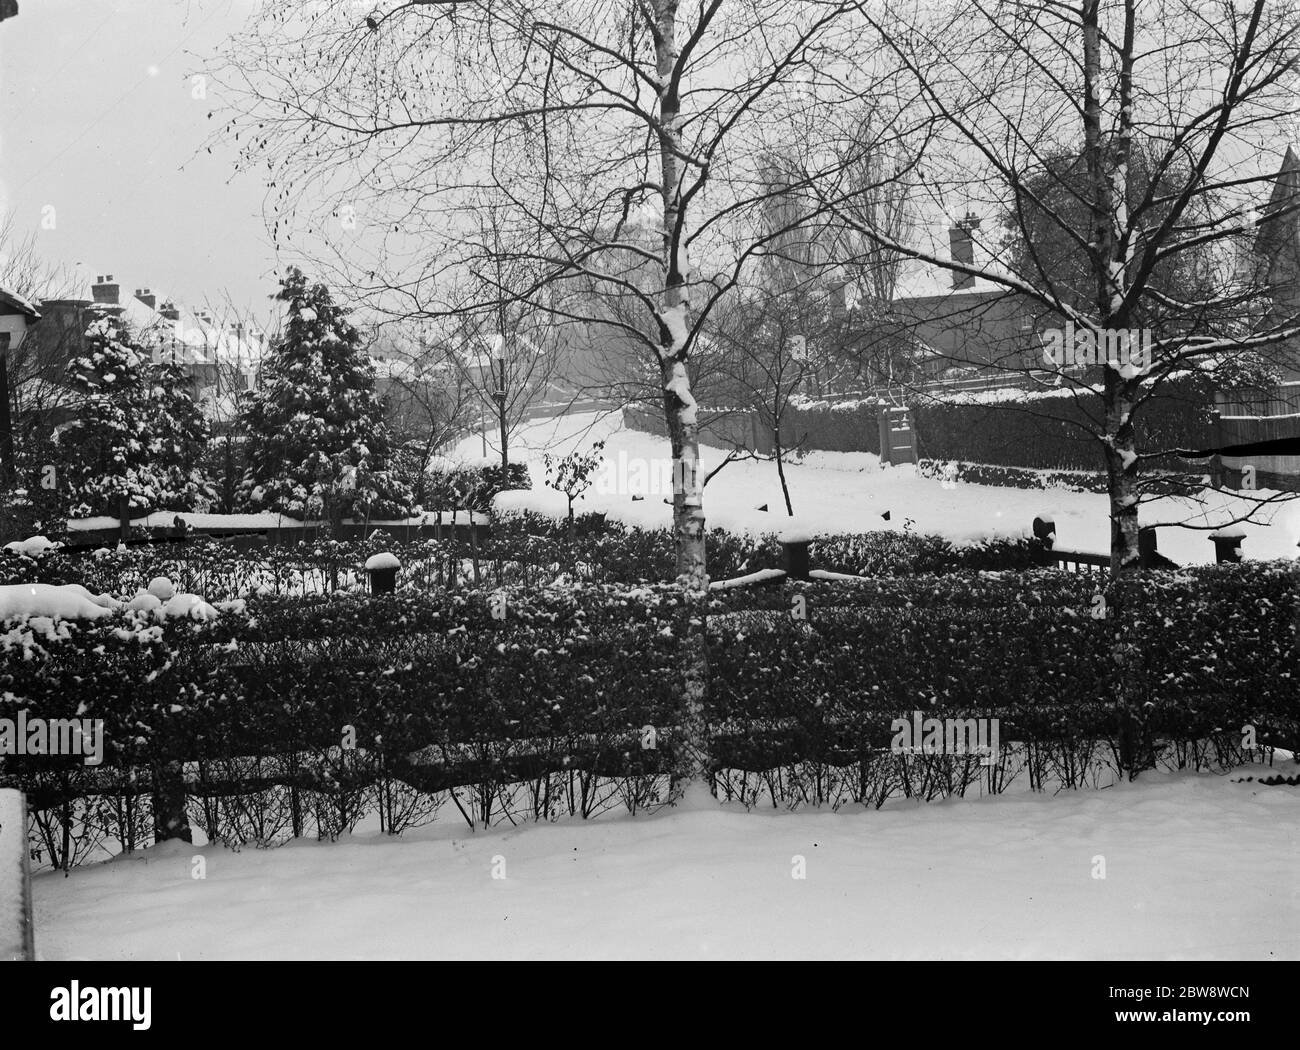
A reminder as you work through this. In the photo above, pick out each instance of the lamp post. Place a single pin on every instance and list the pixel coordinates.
(499, 393)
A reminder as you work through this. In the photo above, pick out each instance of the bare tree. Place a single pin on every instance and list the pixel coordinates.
(766, 348)
(429, 399)
(575, 121)
(35, 366)
(1211, 89)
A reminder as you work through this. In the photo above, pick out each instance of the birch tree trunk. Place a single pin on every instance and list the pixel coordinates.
(692, 764)
(1111, 254)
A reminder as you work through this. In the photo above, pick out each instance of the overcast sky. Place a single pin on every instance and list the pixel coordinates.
(98, 120)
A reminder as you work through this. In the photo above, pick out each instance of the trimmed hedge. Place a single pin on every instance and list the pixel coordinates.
(1038, 434)
(451, 691)
(528, 549)
(1050, 434)
(1012, 477)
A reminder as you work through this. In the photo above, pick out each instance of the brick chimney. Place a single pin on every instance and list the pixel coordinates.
(170, 311)
(963, 250)
(147, 297)
(105, 291)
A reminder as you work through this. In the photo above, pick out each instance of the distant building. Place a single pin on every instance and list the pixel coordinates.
(221, 359)
(1276, 253)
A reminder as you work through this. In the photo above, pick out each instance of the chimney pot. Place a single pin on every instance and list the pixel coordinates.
(963, 250)
(105, 291)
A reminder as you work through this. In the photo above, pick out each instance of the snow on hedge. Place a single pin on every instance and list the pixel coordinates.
(548, 503)
(167, 519)
(380, 562)
(761, 576)
(187, 605)
(67, 602)
(797, 530)
(33, 546)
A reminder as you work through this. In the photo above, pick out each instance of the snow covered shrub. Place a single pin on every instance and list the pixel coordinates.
(533, 703)
(137, 434)
(317, 442)
(39, 504)
(471, 486)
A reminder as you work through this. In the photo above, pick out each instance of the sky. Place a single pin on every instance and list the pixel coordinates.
(102, 137)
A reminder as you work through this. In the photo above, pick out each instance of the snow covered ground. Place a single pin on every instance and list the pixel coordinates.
(844, 492)
(996, 878)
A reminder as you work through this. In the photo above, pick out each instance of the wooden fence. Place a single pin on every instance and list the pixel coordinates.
(1258, 414)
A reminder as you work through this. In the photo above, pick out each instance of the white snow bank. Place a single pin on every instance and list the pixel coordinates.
(33, 546)
(546, 502)
(999, 878)
(69, 602)
(824, 488)
(162, 588)
(379, 562)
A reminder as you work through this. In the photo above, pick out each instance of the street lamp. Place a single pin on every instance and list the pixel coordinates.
(499, 393)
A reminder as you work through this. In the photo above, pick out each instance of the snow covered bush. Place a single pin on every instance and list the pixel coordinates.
(137, 434)
(471, 486)
(545, 710)
(317, 442)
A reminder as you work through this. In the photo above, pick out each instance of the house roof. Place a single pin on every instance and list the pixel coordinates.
(923, 280)
(12, 303)
(1283, 209)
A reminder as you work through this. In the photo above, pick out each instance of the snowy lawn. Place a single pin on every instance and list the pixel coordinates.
(844, 492)
(1195, 867)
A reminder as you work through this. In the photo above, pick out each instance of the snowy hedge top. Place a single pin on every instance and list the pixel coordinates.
(379, 562)
(32, 546)
(68, 602)
(797, 530)
(72, 601)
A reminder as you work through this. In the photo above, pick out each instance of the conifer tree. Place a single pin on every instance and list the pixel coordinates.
(138, 433)
(317, 440)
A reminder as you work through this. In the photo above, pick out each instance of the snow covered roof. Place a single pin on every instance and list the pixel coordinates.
(12, 302)
(917, 279)
(196, 336)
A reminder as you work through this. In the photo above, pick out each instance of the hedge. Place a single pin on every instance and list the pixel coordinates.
(1044, 433)
(530, 549)
(1053, 433)
(453, 693)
